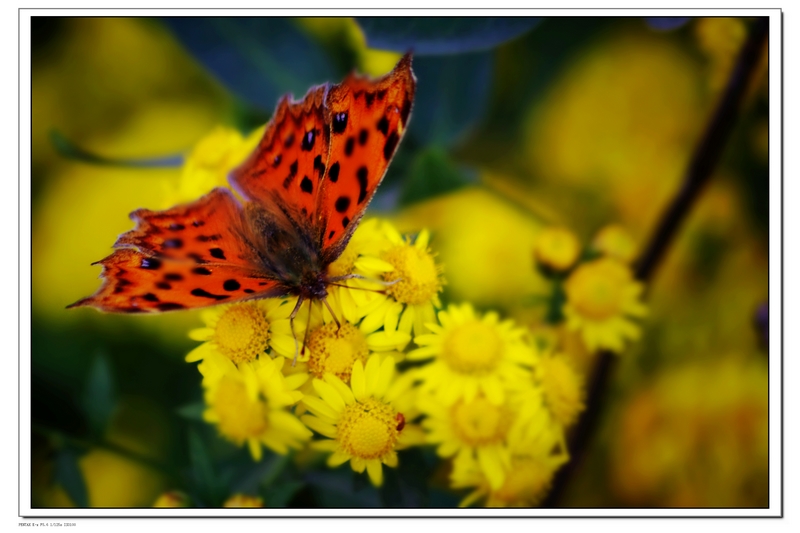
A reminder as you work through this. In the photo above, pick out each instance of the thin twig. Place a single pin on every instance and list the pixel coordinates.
(704, 159)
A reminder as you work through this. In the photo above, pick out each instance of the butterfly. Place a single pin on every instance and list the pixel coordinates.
(306, 186)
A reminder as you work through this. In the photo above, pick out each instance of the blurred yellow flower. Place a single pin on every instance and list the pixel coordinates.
(720, 38)
(210, 161)
(172, 499)
(477, 428)
(697, 436)
(243, 331)
(243, 500)
(532, 465)
(471, 354)
(248, 403)
(557, 248)
(615, 241)
(562, 388)
(366, 421)
(601, 296)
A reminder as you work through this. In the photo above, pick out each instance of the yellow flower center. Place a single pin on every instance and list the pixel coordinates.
(479, 423)
(417, 272)
(473, 348)
(344, 264)
(335, 350)
(242, 332)
(368, 429)
(616, 242)
(557, 248)
(596, 289)
(239, 417)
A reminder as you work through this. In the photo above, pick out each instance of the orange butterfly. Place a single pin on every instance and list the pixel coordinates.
(307, 185)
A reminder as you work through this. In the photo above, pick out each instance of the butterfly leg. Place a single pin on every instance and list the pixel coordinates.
(338, 324)
(291, 325)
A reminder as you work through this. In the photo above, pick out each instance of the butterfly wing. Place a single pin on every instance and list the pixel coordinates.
(287, 167)
(367, 119)
(192, 255)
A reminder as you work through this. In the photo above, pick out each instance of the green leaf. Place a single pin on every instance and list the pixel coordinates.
(258, 58)
(99, 397)
(203, 470)
(279, 495)
(68, 149)
(432, 173)
(68, 475)
(442, 35)
(192, 411)
(452, 96)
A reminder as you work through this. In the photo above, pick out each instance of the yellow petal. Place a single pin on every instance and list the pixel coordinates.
(372, 374)
(375, 472)
(320, 426)
(491, 467)
(329, 394)
(357, 381)
(199, 353)
(201, 334)
(384, 378)
(255, 449)
(320, 408)
(336, 459)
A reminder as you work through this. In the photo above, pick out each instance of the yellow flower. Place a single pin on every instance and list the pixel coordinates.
(471, 354)
(532, 465)
(243, 500)
(720, 38)
(615, 241)
(476, 428)
(361, 257)
(557, 248)
(414, 285)
(243, 331)
(248, 403)
(173, 498)
(366, 421)
(562, 388)
(601, 296)
(210, 161)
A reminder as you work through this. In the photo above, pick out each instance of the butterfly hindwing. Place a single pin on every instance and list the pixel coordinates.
(367, 120)
(137, 283)
(288, 165)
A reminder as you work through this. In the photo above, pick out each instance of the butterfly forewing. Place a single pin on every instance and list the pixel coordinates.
(367, 120)
(287, 167)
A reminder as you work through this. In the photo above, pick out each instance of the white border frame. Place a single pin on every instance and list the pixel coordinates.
(775, 265)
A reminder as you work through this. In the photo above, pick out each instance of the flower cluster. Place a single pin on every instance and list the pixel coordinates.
(595, 293)
(383, 365)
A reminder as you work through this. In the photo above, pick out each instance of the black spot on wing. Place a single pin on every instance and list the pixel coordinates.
(163, 285)
(173, 244)
(383, 126)
(340, 122)
(173, 277)
(217, 252)
(370, 97)
(342, 204)
(333, 172)
(150, 297)
(345, 222)
(306, 185)
(361, 175)
(391, 144)
(202, 271)
(249, 291)
(289, 141)
(277, 161)
(292, 173)
(205, 294)
(207, 238)
(349, 145)
(170, 306)
(319, 166)
(331, 234)
(363, 135)
(176, 227)
(308, 141)
(231, 285)
(150, 263)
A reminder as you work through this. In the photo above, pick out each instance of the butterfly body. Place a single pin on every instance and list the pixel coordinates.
(305, 188)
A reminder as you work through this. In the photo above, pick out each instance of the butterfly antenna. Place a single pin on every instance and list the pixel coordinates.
(357, 288)
(291, 325)
(359, 276)
(338, 324)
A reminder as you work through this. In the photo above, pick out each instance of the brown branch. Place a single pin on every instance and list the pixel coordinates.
(705, 157)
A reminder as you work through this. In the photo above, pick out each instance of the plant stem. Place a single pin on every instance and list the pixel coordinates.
(705, 157)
